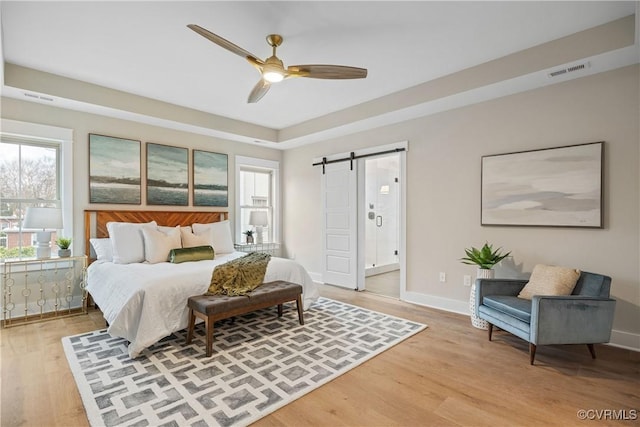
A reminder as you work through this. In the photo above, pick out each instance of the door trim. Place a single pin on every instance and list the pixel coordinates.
(402, 216)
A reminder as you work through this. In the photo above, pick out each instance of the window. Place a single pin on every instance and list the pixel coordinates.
(256, 191)
(35, 170)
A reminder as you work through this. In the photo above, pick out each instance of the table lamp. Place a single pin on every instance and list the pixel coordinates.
(258, 219)
(46, 219)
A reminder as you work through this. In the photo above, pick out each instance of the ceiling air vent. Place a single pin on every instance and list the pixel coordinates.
(568, 69)
(36, 96)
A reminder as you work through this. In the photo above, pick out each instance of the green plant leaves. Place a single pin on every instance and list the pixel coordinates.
(485, 257)
(64, 242)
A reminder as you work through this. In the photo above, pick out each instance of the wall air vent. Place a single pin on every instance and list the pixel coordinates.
(569, 69)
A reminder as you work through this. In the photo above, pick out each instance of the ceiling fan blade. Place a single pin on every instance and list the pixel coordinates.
(256, 62)
(327, 71)
(222, 42)
(259, 90)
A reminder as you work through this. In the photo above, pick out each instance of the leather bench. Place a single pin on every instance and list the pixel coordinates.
(211, 308)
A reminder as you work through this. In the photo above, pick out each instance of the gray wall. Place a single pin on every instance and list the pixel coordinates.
(85, 123)
(443, 165)
(443, 189)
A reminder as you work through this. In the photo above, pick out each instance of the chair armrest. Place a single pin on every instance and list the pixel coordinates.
(510, 287)
(571, 319)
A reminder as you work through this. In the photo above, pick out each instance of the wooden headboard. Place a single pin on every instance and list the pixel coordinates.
(95, 221)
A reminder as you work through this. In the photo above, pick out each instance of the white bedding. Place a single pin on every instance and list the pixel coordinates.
(144, 303)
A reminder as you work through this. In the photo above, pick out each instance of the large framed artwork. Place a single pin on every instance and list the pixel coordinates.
(114, 170)
(210, 172)
(554, 187)
(167, 175)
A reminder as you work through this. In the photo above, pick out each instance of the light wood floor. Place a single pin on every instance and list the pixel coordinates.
(447, 375)
(387, 284)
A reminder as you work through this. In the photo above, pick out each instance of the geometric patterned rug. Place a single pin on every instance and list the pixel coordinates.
(260, 363)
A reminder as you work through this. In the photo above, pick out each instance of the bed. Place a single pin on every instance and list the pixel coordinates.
(145, 300)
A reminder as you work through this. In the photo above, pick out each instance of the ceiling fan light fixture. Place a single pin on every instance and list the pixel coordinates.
(273, 70)
(272, 76)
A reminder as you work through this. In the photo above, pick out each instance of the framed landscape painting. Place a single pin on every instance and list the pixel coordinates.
(210, 179)
(554, 187)
(167, 175)
(114, 170)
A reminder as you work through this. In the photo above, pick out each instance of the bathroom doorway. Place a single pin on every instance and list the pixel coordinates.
(381, 216)
(348, 256)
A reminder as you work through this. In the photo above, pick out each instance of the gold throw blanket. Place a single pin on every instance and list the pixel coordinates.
(240, 276)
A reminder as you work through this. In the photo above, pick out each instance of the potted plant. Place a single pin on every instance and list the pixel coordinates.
(249, 234)
(63, 246)
(484, 258)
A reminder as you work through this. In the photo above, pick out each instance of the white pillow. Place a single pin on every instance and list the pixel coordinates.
(219, 235)
(166, 229)
(190, 240)
(102, 249)
(126, 241)
(158, 244)
(186, 229)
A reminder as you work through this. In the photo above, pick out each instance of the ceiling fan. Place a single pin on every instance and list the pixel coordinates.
(272, 69)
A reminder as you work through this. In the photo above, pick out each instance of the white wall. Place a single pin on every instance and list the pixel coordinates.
(443, 189)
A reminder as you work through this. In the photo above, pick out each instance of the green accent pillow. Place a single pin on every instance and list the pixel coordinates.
(196, 253)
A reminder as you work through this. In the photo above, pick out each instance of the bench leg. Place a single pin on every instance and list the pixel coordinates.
(299, 307)
(279, 310)
(209, 331)
(192, 322)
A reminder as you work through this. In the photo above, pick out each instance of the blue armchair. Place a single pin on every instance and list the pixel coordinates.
(584, 317)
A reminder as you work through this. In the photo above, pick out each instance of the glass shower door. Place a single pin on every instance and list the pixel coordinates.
(381, 222)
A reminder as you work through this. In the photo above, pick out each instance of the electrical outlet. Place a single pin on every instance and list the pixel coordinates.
(467, 280)
(443, 276)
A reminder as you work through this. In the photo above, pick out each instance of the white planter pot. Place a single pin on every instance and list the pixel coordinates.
(484, 273)
(475, 320)
(64, 253)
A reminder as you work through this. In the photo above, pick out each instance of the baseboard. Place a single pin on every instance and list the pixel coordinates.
(446, 304)
(372, 271)
(621, 339)
(625, 340)
(316, 277)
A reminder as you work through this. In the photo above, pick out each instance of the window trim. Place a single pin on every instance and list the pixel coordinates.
(62, 137)
(247, 163)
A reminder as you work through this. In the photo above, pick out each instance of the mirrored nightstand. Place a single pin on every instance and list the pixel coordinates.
(41, 289)
(272, 249)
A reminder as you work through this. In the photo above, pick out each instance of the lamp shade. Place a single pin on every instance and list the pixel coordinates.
(43, 218)
(258, 218)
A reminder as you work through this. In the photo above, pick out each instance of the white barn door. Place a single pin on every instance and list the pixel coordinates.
(340, 224)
